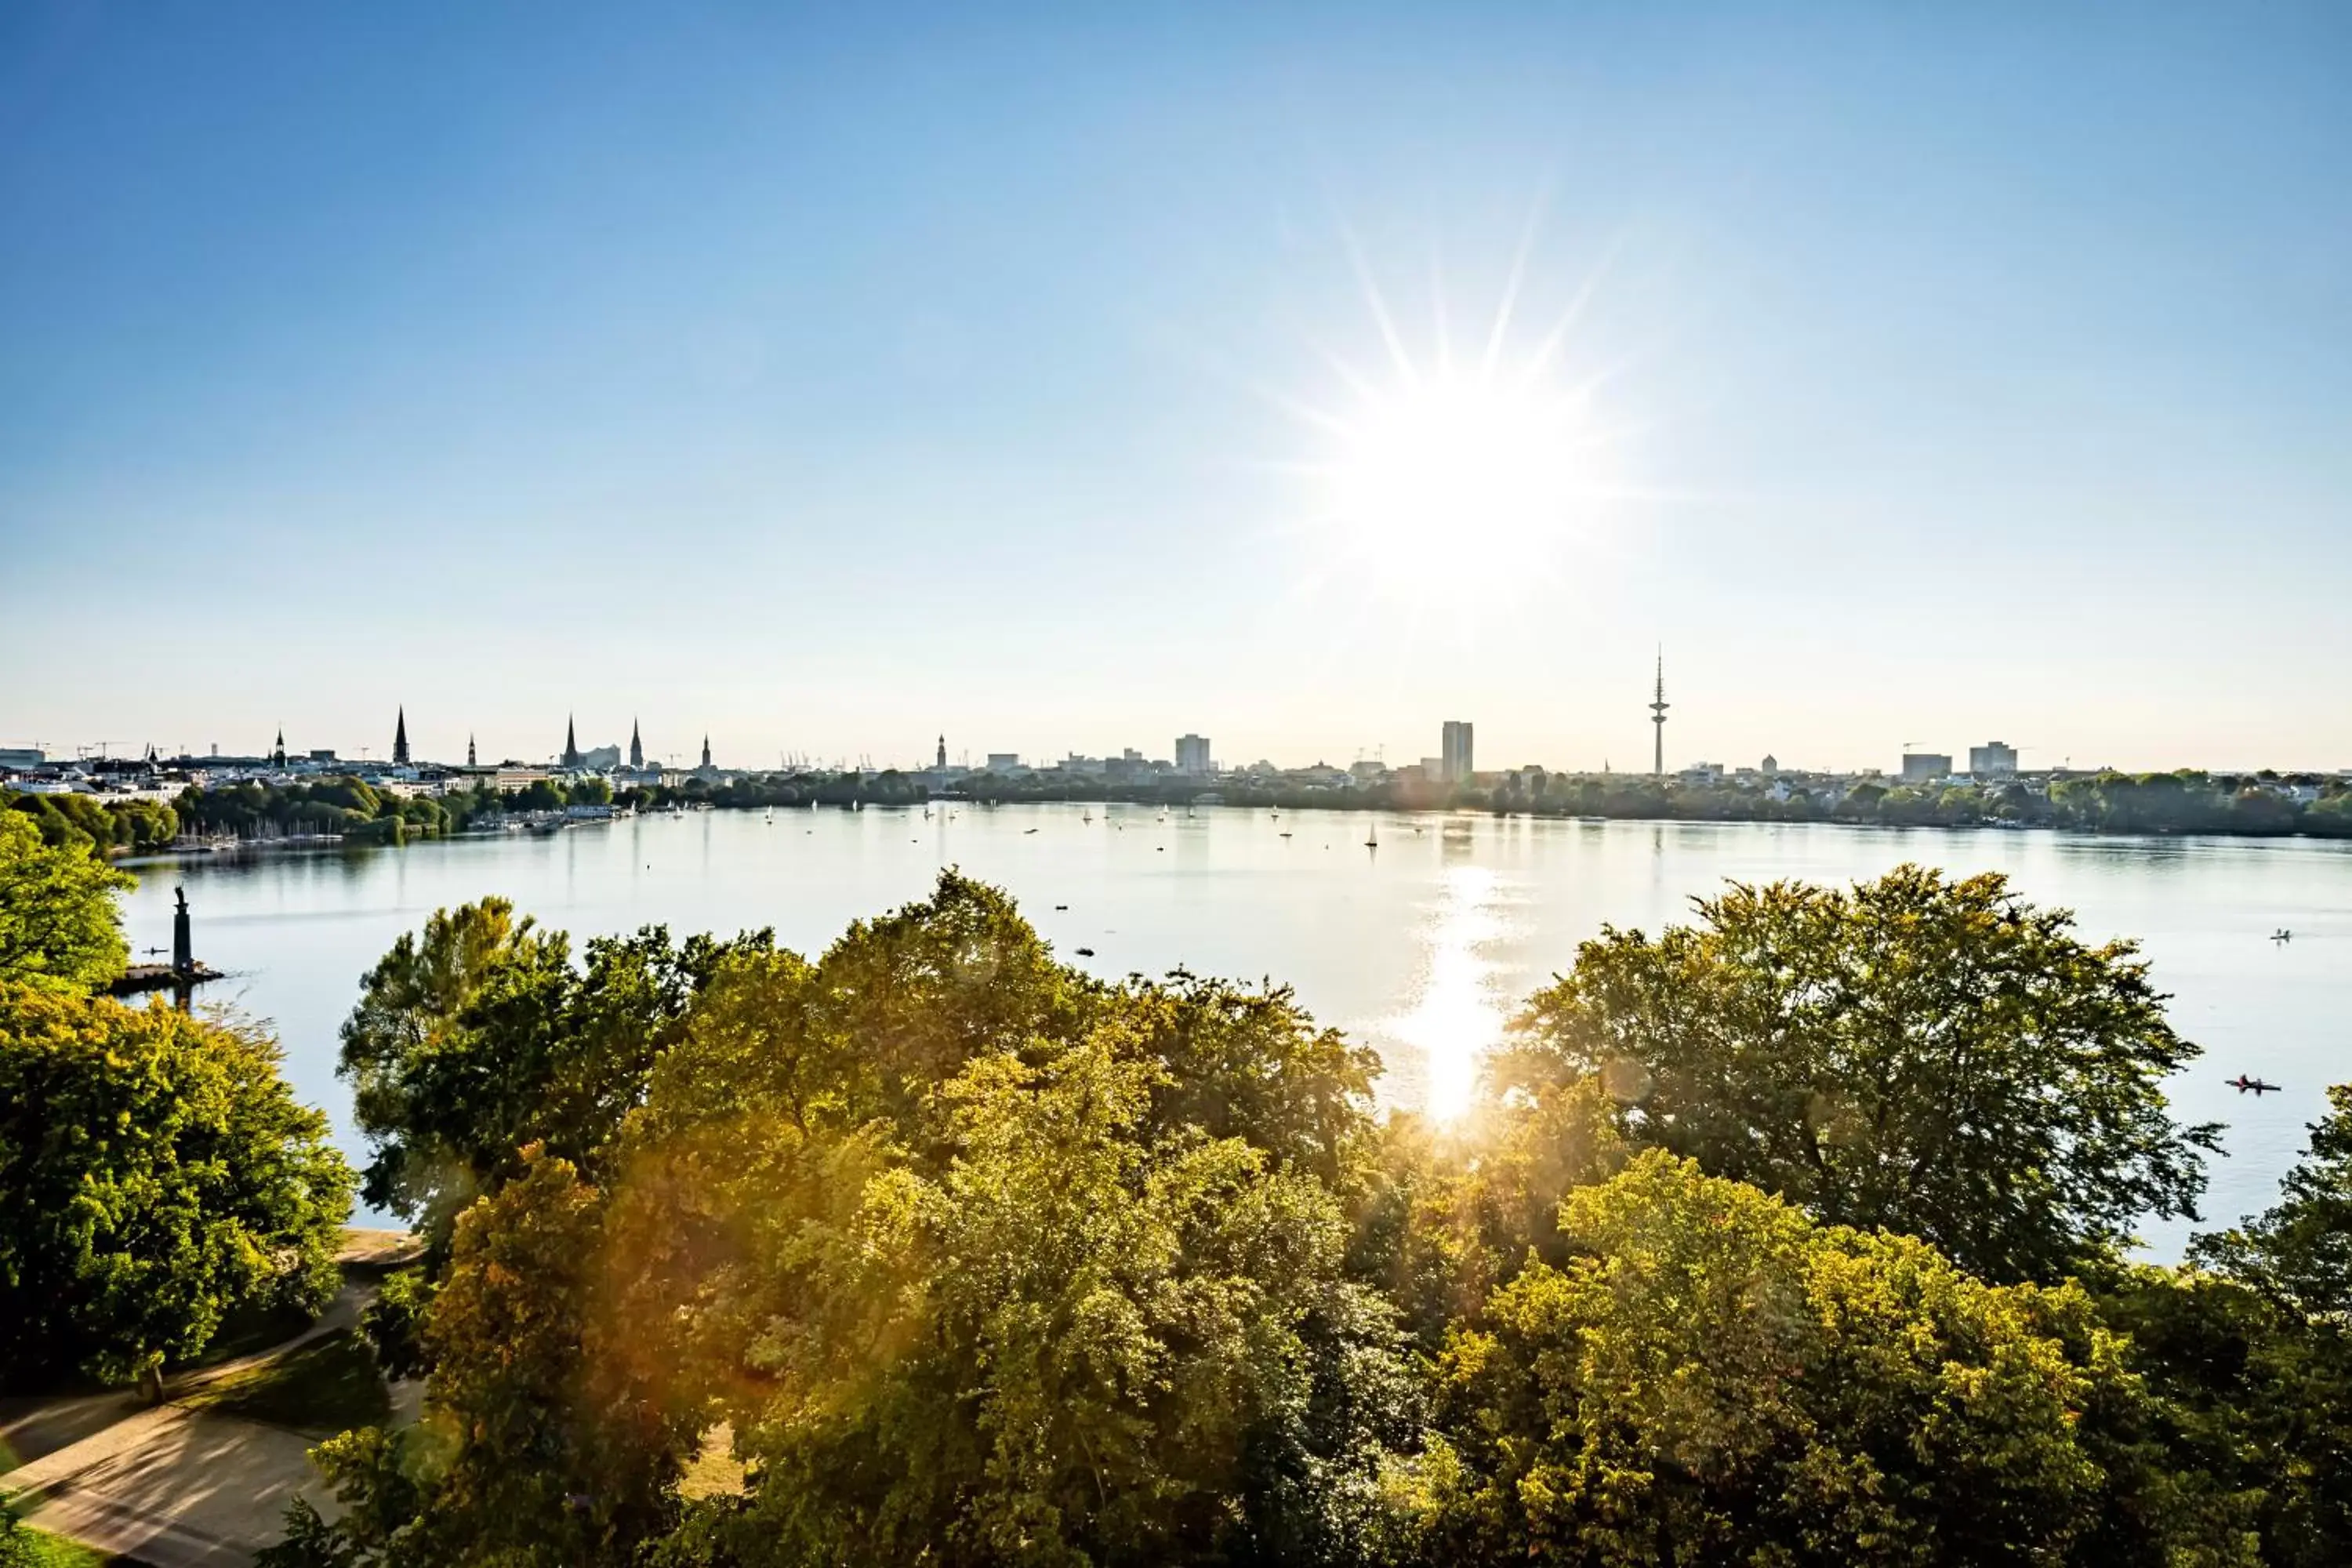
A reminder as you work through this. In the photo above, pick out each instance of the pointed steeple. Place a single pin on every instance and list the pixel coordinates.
(469, 747)
(570, 743)
(636, 747)
(943, 761)
(277, 752)
(400, 739)
(706, 749)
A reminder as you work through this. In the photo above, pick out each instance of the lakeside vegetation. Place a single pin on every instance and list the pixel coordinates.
(1796, 1233)
(2185, 802)
(2188, 801)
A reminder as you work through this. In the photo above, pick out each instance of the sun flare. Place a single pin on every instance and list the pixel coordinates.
(1459, 461)
(1499, 452)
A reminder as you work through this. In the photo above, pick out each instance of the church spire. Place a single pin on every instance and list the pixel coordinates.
(571, 745)
(469, 747)
(400, 739)
(706, 749)
(277, 752)
(942, 762)
(636, 747)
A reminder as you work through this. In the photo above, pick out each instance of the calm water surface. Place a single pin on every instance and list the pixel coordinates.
(1423, 946)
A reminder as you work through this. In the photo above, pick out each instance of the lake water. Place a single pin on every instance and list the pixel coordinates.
(1422, 947)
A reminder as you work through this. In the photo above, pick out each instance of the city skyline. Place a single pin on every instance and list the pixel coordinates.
(1189, 754)
(1057, 383)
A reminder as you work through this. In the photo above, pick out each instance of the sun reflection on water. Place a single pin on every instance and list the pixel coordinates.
(1457, 1012)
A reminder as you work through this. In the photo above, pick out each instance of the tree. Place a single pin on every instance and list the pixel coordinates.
(58, 922)
(1080, 1340)
(2268, 1364)
(2299, 1253)
(1715, 1378)
(531, 1451)
(156, 1175)
(1936, 1056)
(483, 1037)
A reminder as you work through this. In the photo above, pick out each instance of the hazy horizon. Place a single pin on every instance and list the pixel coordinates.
(1067, 381)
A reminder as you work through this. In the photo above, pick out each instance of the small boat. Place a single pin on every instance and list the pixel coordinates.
(1027, 831)
(1286, 834)
(2242, 1083)
(1061, 906)
(1372, 839)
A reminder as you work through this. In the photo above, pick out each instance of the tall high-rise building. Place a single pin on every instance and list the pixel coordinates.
(571, 745)
(636, 747)
(400, 739)
(1454, 752)
(1993, 760)
(1658, 719)
(1192, 753)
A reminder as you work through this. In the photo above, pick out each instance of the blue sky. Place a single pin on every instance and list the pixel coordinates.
(826, 379)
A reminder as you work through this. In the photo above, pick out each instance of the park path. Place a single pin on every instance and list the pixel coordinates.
(170, 1486)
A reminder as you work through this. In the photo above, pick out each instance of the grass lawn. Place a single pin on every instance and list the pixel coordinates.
(21, 1546)
(330, 1384)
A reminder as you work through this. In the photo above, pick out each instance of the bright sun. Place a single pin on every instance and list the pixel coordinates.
(1499, 454)
(1453, 461)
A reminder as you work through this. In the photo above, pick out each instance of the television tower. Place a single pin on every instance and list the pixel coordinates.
(1658, 717)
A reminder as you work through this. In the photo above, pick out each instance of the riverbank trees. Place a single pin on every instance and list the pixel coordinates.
(58, 922)
(971, 1258)
(156, 1178)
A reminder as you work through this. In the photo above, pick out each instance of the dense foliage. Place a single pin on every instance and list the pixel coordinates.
(89, 823)
(957, 1255)
(59, 924)
(1934, 1056)
(156, 1176)
(482, 1035)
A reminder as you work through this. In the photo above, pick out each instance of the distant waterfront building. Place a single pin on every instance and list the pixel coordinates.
(1925, 767)
(636, 748)
(400, 739)
(571, 745)
(1005, 761)
(1192, 753)
(940, 761)
(1993, 760)
(1454, 752)
(1772, 768)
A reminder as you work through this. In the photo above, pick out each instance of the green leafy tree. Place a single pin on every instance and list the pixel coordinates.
(1936, 1056)
(531, 1452)
(1081, 1340)
(1715, 1378)
(156, 1174)
(481, 1036)
(58, 922)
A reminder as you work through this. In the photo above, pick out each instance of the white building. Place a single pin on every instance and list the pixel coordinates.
(1454, 747)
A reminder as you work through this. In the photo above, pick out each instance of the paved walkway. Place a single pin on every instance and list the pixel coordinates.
(172, 1486)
